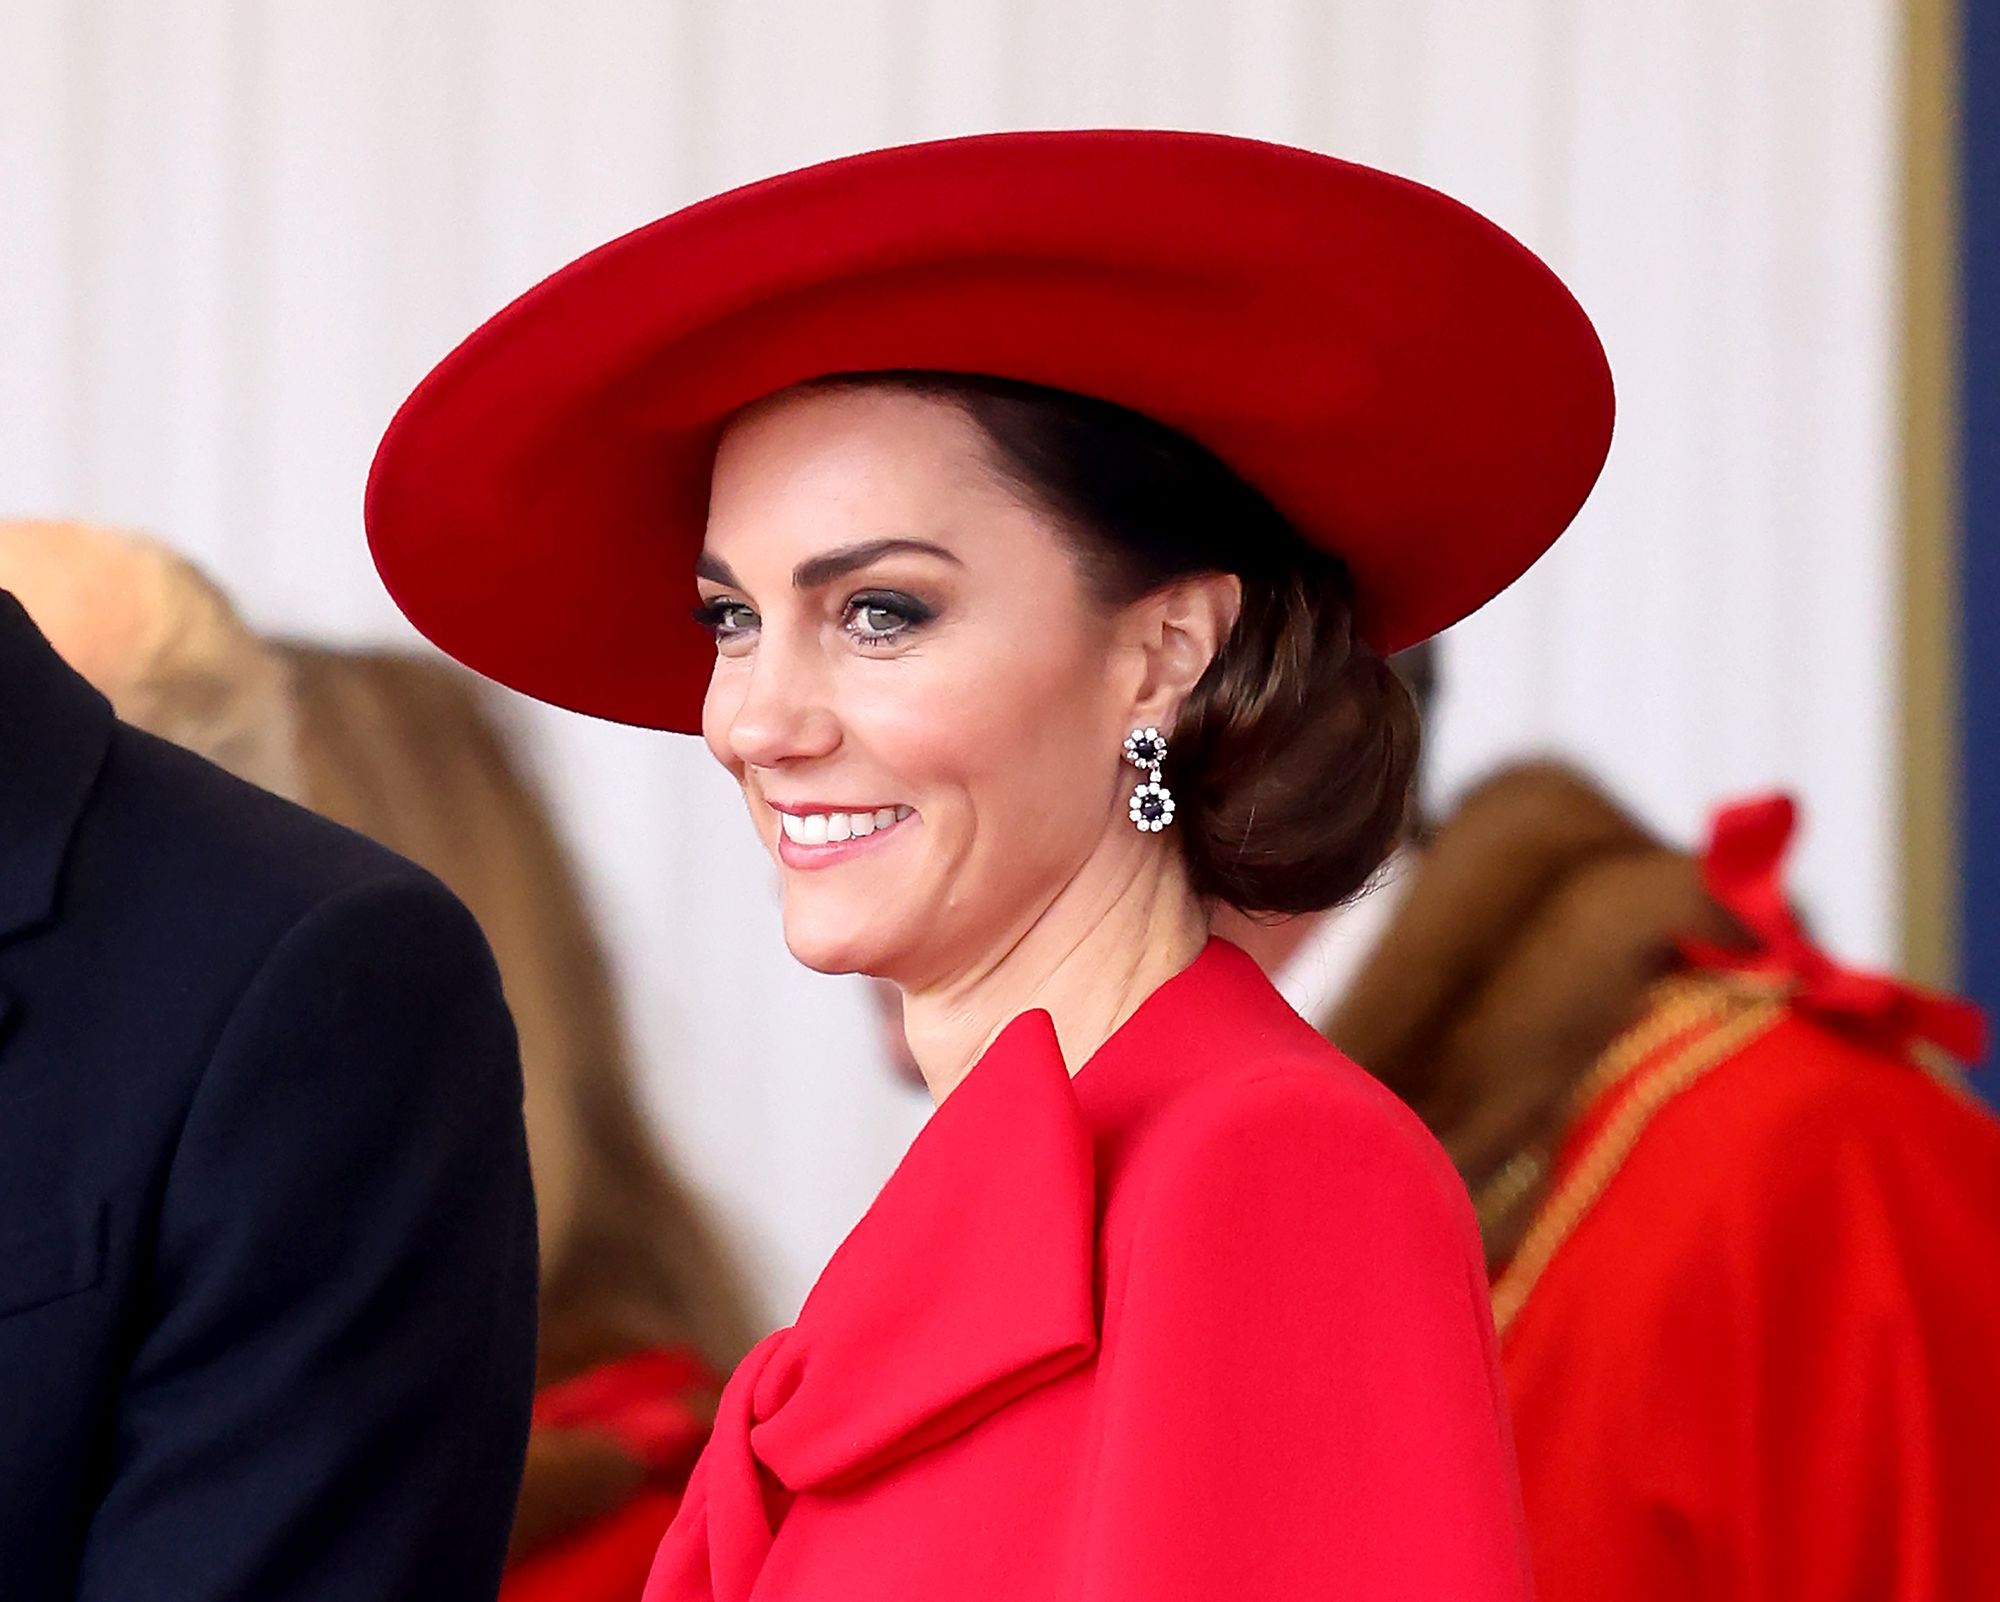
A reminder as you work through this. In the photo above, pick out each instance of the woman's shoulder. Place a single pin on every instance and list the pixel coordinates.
(1303, 1117)
(1261, 1179)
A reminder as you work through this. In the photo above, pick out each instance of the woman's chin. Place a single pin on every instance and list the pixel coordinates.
(837, 945)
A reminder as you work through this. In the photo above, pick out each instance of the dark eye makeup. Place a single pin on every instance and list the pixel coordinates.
(724, 618)
(871, 617)
(879, 616)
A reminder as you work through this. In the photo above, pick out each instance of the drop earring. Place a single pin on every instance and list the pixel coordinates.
(1152, 807)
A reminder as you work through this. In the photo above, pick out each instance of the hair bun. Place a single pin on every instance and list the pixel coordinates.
(1296, 754)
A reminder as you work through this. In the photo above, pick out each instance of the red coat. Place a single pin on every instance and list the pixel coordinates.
(1208, 1320)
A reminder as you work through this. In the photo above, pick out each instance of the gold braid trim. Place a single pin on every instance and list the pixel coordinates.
(1705, 1019)
(1675, 1006)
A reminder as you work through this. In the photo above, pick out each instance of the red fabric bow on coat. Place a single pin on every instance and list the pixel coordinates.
(1743, 870)
(996, 1200)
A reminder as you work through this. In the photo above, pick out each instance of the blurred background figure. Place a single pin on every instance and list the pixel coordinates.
(1740, 1209)
(641, 1310)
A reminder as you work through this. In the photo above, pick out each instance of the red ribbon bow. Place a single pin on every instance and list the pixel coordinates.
(1743, 870)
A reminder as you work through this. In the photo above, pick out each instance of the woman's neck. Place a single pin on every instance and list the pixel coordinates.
(1271, 942)
(1089, 960)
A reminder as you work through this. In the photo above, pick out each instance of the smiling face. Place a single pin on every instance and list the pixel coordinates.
(921, 701)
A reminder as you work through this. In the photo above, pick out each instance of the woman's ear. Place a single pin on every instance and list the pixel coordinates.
(1179, 630)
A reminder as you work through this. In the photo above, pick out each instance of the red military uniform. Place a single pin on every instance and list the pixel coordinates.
(1752, 1336)
(1746, 1248)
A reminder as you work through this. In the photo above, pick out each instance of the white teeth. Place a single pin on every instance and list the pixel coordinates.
(828, 828)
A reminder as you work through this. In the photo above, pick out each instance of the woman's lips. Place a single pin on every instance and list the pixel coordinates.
(818, 839)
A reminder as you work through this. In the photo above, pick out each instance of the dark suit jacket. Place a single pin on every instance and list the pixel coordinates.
(267, 1244)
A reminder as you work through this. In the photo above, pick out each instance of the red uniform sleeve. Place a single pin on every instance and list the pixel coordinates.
(1301, 1396)
(1868, 1387)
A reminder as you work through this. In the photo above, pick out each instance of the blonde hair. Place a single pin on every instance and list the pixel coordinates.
(159, 641)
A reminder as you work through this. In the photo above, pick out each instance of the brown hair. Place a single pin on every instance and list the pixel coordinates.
(402, 749)
(1292, 762)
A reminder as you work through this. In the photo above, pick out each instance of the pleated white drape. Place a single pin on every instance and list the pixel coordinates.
(233, 233)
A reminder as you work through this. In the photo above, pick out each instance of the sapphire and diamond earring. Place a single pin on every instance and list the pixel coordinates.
(1152, 807)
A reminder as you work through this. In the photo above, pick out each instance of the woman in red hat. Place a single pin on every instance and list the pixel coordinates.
(1021, 520)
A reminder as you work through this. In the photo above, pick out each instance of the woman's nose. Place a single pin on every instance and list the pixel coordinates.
(784, 715)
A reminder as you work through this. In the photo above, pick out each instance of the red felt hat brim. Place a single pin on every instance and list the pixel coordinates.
(1408, 384)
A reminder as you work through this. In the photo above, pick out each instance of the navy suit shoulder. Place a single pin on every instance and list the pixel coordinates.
(224, 868)
(267, 1249)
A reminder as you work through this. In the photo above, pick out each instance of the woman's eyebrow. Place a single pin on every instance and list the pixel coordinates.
(817, 570)
(716, 571)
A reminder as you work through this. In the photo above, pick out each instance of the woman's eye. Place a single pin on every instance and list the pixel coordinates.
(725, 620)
(876, 619)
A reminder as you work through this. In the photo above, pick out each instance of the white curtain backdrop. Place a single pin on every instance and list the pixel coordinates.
(233, 233)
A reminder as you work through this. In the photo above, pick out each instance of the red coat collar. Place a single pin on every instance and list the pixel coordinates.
(970, 1281)
(967, 1282)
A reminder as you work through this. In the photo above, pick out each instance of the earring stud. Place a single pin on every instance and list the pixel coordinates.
(1152, 804)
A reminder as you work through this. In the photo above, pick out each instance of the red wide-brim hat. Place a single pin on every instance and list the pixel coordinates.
(1406, 383)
